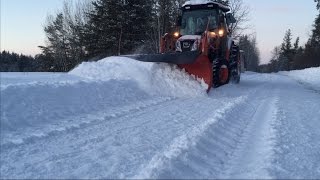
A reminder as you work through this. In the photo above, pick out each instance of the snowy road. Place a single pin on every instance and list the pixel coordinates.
(266, 127)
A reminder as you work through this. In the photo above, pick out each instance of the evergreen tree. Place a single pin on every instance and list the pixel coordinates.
(118, 27)
(315, 38)
(163, 16)
(168, 11)
(9, 62)
(312, 50)
(286, 56)
(289, 52)
(251, 52)
(98, 36)
(106, 27)
(13, 62)
(138, 17)
(318, 3)
(296, 44)
(274, 63)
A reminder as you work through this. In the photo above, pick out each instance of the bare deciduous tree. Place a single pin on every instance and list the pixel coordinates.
(241, 12)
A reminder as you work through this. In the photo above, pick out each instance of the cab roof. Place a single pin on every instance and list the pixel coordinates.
(204, 4)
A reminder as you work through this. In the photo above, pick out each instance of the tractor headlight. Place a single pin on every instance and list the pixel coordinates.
(221, 32)
(176, 34)
(212, 34)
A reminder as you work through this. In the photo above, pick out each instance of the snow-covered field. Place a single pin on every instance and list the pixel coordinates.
(119, 118)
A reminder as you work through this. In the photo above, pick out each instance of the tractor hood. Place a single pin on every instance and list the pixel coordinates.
(188, 43)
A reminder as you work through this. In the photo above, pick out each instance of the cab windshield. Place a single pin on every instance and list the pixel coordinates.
(195, 22)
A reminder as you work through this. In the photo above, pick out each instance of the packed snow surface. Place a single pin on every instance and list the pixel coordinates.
(120, 118)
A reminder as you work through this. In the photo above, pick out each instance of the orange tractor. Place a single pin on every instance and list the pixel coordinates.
(202, 45)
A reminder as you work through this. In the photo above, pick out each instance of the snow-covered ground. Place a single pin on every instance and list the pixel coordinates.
(119, 118)
(309, 77)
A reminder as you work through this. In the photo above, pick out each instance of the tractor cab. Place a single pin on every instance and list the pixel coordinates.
(196, 22)
(195, 19)
(202, 44)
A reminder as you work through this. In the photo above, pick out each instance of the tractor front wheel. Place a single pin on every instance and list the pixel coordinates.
(221, 73)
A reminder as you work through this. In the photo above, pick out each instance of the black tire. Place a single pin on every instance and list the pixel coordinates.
(235, 69)
(217, 65)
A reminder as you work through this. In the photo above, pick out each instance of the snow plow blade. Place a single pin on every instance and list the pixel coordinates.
(193, 63)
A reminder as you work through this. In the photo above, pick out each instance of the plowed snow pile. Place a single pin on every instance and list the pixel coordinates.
(155, 79)
(45, 101)
(310, 76)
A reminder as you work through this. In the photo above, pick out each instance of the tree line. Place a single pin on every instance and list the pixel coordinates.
(88, 30)
(291, 56)
(13, 62)
(248, 44)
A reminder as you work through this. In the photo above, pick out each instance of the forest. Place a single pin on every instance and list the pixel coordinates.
(91, 30)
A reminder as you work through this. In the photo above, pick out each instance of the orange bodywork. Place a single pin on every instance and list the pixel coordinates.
(201, 68)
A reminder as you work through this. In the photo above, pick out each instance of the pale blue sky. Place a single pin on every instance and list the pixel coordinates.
(22, 22)
(271, 18)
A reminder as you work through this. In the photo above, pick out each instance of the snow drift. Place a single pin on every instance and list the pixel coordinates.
(310, 76)
(156, 79)
(33, 104)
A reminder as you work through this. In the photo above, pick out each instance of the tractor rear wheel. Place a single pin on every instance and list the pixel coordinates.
(236, 69)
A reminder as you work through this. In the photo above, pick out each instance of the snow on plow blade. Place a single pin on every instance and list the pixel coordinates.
(192, 62)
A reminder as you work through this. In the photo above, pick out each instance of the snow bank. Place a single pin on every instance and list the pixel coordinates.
(156, 79)
(36, 106)
(310, 76)
(33, 103)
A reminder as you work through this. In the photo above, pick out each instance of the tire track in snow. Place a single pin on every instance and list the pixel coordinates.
(297, 152)
(94, 136)
(112, 149)
(223, 143)
(184, 138)
(16, 139)
(253, 155)
(183, 142)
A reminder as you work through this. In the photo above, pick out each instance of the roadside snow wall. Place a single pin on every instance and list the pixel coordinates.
(310, 76)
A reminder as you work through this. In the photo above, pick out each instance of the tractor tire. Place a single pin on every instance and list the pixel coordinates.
(221, 73)
(236, 69)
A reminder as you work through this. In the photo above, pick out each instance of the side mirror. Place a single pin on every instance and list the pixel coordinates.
(230, 19)
(179, 21)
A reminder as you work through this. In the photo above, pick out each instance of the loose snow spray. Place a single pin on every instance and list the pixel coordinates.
(154, 78)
